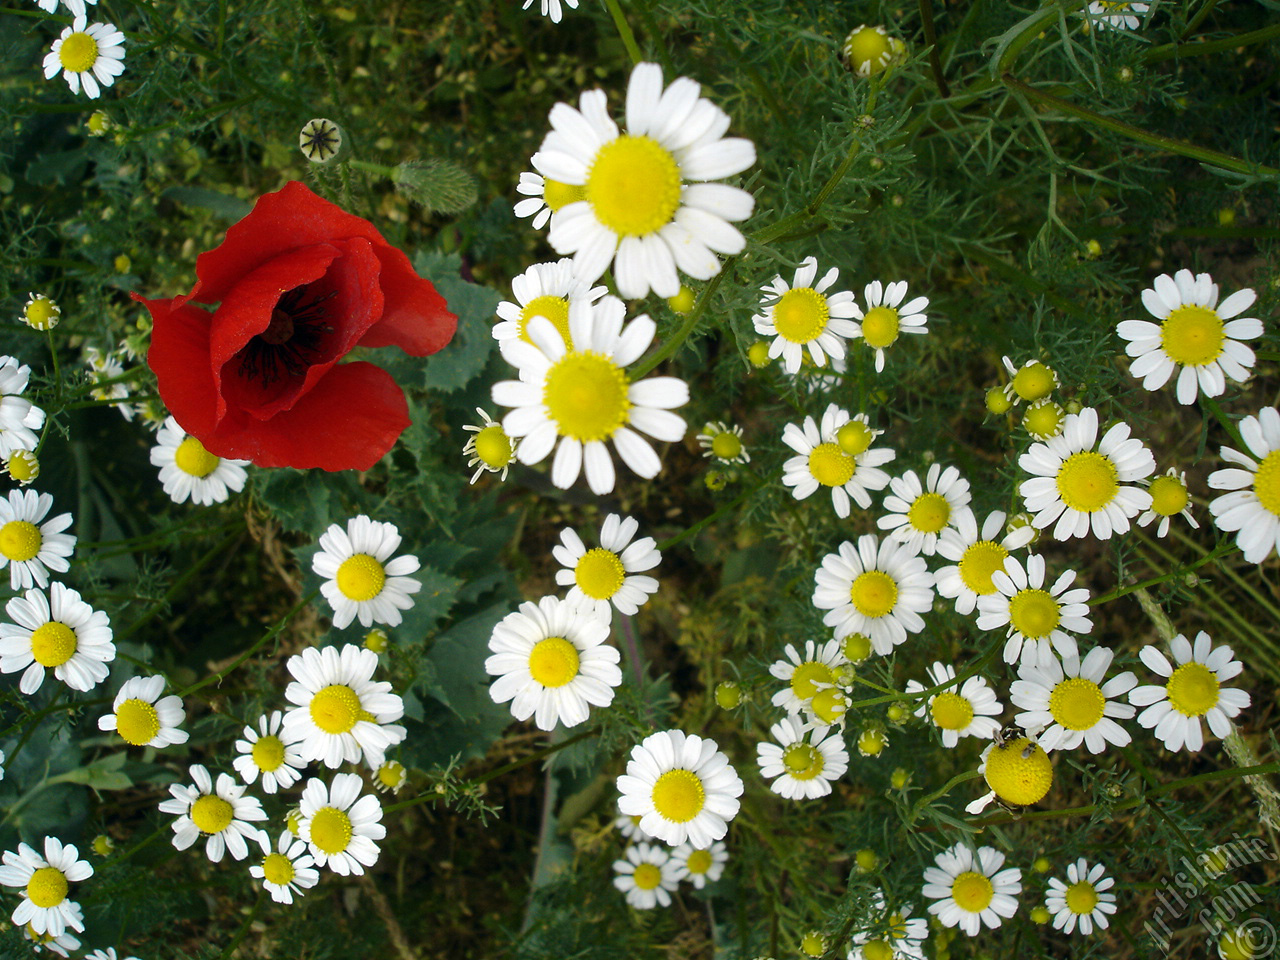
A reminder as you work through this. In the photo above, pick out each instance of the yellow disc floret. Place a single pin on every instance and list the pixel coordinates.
(53, 644)
(1034, 613)
(868, 50)
(47, 887)
(20, 540)
(212, 814)
(558, 195)
(972, 892)
(807, 676)
(586, 395)
(1192, 335)
(929, 513)
(800, 315)
(1266, 486)
(1043, 420)
(854, 437)
(1017, 779)
(268, 753)
(880, 327)
(1168, 495)
(137, 722)
(361, 577)
(857, 647)
(979, 562)
(647, 876)
(699, 861)
(330, 830)
(1081, 897)
(78, 52)
(726, 446)
(192, 458)
(277, 869)
(336, 708)
(1034, 381)
(633, 186)
(1077, 703)
(599, 574)
(493, 447)
(555, 309)
(802, 761)
(1087, 481)
(41, 313)
(829, 705)
(553, 662)
(830, 465)
(23, 466)
(874, 593)
(678, 795)
(951, 711)
(1193, 689)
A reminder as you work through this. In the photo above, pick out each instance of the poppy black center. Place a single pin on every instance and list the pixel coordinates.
(293, 339)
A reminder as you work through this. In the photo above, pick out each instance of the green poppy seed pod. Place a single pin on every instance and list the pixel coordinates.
(320, 140)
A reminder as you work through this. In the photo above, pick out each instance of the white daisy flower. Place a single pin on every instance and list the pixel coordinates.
(1032, 614)
(63, 944)
(582, 398)
(390, 777)
(108, 954)
(805, 760)
(45, 882)
(488, 449)
(608, 576)
(700, 865)
(1083, 488)
(340, 826)
(722, 442)
(879, 589)
(544, 290)
(61, 633)
(1118, 15)
(977, 556)
(341, 713)
(1069, 702)
(552, 9)
(545, 197)
(1253, 506)
(800, 316)
(551, 661)
(360, 581)
(640, 212)
(835, 453)
(1195, 335)
(629, 827)
(647, 875)
(967, 711)
(188, 470)
(88, 55)
(142, 717)
(264, 751)
(894, 934)
(29, 547)
(887, 316)
(222, 813)
(1193, 689)
(807, 676)
(682, 787)
(1169, 498)
(76, 7)
(1083, 900)
(917, 514)
(104, 368)
(287, 870)
(19, 417)
(969, 889)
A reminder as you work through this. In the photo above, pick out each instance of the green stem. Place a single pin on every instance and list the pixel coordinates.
(1227, 423)
(1215, 554)
(710, 518)
(35, 722)
(961, 677)
(110, 402)
(244, 929)
(918, 807)
(931, 39)
(178, 585)
(1201, 15)
(624, 31)
(1170, 51)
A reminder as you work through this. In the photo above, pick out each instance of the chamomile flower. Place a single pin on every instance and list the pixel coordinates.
(890, 934)
(19, 418)
(1119, 15)
(287, 870)
(1253, 505)
(1018, 771)
(488, 449)
(964, 711)
(722, 442)
(807, 675)
(221, 813)
(1031, 382)
(887, 316)
(390, 777)
(1195, 336)
(264, 751)
(142, 717)
(105, 368)
(31, 546)
(360, 581)
(918, 513)
(45, 881)
(40, 313)
(801, 316)
(647, 875)
(629, 827)
(976, 557)
(1084, 488)
(648, 207)
(1031, 614)
(544, 290)
(545, 197)
(682, 787)
(108, 954)
(1169, 498)
(804, 761)
(87, 55)
(1071, 702)
(552, 8)
(61, 633)
(551, 661)
(1083, 900)
(189, 471)
(580, 398)
(969, 888)
(340, 826)
(1192, 689)
(835, 453)
(609, 575)
(700, 865)
(63, 944)
(341, 713)
(878, 588)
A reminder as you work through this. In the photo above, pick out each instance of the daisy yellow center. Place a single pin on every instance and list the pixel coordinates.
(929, 513)
(137, 722)
(699, 861)
(871, 743)
(679, 795)
(391, 774)
(1081, 897)
(1077, 703)
(336, 709)
(211, 814)
(78, 52)
(361, 577)
(726, 446)
(493, 447)
(557, 194)
(1016, 779)
(1044, 420)
(330, 830)
(897, 926)
(53, 644)
(293, 822)
(586, 395)
(807, 676)
(268, 753)
(192, 458)
(1034, 613)
(20, 540)
(599, 574)
(23, 466)
(1168, 496)
(1193, 689)
(857, 647)
(874, 593)
(800, 315)
(877, 950)
(972, 892)
(803, 761)
(41, 313)
(979, 562)
(830, 465)
(1266, 485)
(866, 46)
(1087, 481)
(1034, 381)
(47, 887)
(647, 876)
(553, 662)
(880, 327)
(951, 711)
(633, 186)
(854, 437)
(1192, 335)
(277, 869)
(555, 309)
(829, 705)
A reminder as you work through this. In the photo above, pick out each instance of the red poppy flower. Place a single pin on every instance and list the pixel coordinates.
(299, 283)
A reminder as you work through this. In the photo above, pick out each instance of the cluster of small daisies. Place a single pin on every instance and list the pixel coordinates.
(89, 56)
(648, 872)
